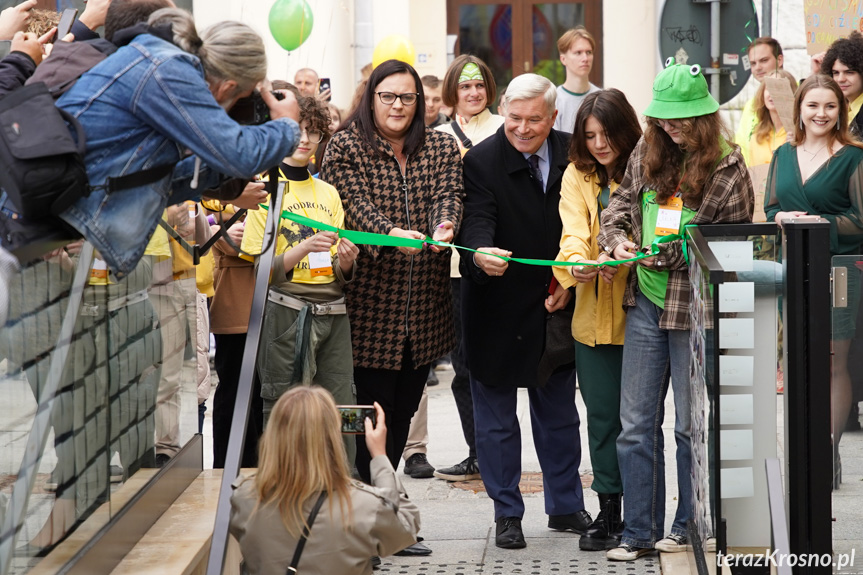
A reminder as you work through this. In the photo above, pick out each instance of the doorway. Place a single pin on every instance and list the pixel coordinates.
(518, 36)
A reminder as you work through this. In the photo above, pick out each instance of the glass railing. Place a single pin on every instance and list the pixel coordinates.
(846, 391)
(99, 378)
(736, 284)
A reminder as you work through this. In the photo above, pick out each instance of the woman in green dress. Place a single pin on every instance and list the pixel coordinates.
(820, 172)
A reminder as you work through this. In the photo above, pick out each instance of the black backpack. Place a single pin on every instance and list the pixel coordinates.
(41, 160)
(42, 165)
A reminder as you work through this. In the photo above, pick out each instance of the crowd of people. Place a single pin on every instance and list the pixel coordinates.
(565, 173)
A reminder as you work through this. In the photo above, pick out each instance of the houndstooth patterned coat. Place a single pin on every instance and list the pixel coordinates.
(396, 300)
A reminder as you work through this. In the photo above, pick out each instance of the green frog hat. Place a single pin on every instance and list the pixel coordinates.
(680, 91)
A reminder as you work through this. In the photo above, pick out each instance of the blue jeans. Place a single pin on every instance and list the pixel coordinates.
(554, 421)
(650, 356)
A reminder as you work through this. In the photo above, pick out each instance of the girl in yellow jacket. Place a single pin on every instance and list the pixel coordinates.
(606, 131)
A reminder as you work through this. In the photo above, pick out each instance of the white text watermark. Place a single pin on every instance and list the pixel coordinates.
(775, 559)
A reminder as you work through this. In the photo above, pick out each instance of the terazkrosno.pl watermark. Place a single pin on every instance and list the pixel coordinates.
(776, 559)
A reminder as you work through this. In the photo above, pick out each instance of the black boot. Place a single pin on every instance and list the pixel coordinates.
(605, 531)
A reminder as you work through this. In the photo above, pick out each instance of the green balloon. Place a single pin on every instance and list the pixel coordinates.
(291, 23)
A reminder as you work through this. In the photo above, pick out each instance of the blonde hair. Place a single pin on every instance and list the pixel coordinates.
(765, 126)
(301, 455)
(565, 42)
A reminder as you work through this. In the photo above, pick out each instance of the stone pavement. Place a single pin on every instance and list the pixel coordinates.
(458, 523)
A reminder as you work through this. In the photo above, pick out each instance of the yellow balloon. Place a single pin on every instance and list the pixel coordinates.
(395, 47)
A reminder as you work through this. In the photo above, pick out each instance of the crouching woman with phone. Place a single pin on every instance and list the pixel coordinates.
(301, 463)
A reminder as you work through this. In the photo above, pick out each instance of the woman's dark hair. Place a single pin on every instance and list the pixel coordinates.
(848, 50)
(364, 117)
(622, 130)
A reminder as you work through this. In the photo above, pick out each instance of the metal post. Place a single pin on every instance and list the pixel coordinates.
(808, 451)
(246, 384)
(766, 18)
(715, 49)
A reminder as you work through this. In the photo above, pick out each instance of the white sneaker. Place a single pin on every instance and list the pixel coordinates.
(674, 543)
(627, 553)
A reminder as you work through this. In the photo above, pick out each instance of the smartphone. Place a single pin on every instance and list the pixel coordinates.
(354, 418)
(325, 85)
(66, 21)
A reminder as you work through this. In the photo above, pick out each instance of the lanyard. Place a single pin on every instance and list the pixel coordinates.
(299, 202)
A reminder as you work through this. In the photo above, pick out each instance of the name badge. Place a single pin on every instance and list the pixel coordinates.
(668, 219)
(99, 271)
(320, 264)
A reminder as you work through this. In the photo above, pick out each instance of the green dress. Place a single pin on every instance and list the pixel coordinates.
(834, 192)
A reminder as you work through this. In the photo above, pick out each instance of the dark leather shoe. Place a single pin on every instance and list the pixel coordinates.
(418, 467)
(508, 533)
(577, 522)
(415, 550)
(605, 531)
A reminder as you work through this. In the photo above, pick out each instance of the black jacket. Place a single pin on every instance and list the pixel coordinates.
(504, 318)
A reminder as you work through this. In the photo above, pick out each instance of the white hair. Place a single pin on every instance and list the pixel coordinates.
(529, 86)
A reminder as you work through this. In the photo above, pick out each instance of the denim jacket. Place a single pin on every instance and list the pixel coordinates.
(149, 105)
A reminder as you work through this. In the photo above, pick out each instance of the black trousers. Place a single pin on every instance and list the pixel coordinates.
(229, 362)
(398, 392)
(461, 381)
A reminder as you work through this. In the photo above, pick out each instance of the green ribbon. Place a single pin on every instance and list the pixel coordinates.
(373, 239)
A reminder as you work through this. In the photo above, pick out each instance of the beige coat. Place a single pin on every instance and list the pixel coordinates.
(384, 521)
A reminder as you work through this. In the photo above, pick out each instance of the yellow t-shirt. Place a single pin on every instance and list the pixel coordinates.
(311, 198)
(854, 108)
(748, 121)
(762, 152)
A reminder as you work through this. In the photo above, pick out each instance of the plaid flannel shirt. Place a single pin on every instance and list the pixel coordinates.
(728, 199)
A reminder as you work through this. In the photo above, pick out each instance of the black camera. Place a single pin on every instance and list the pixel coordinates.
(252, 110)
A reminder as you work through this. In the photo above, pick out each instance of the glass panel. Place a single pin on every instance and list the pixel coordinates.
(485, 31)
(734, 343)
(846, 391)
(550, 21)
(126, 397)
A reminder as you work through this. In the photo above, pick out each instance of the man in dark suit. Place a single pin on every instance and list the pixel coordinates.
(512, 181)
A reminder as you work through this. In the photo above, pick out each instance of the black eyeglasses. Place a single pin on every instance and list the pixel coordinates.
(389, 98)
(315, 136)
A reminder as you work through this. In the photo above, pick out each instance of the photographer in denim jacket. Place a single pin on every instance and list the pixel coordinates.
(153, 102)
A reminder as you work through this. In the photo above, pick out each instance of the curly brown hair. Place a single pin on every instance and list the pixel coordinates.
(687, 166)
(848, 50)
(316, 114)
(311, 111)
(622, 130)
